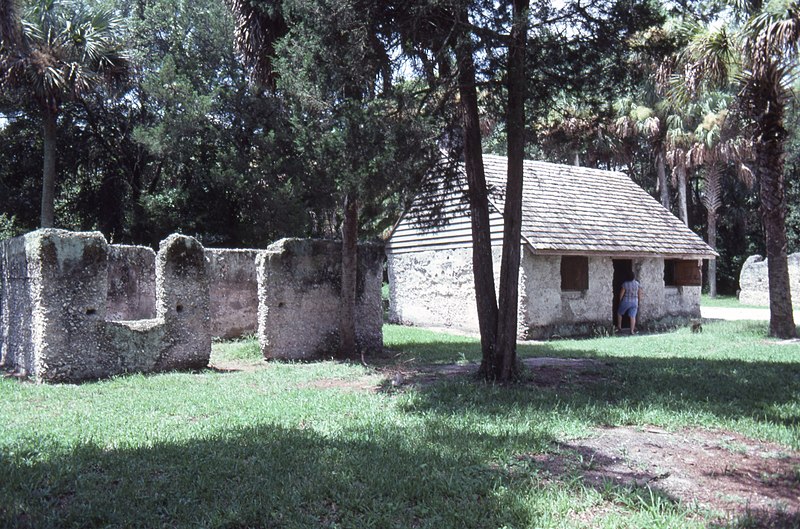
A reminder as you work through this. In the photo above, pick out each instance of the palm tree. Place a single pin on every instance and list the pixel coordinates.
(714, 148)
(58, 51)
(757, 52)
(649, 123)
(678, 142)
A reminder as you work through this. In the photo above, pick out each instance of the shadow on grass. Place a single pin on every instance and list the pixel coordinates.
(611, 388)
(266, 476)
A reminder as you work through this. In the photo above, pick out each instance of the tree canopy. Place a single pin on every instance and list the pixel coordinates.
(188, 142)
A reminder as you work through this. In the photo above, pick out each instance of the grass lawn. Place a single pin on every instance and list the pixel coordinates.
(316, 445)
(731, 302)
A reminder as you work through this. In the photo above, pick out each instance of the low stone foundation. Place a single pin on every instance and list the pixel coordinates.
(754, 280)
(299, 298)
(54, 317)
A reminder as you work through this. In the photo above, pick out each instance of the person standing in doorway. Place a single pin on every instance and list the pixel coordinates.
(629, 297)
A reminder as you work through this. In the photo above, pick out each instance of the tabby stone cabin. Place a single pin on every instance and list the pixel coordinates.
(583, 231)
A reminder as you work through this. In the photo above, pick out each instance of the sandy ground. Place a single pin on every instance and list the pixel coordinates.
(725, 313)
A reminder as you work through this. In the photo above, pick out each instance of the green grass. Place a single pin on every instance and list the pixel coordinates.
(300, 445)
(731, 302)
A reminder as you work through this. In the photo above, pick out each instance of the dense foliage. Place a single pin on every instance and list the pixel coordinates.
(189, 143)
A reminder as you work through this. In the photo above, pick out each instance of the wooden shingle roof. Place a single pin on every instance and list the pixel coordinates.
(569, 210)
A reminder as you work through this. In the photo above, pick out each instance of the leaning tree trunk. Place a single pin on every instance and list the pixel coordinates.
(347, 321)
(506, 345)
(47, 219)
(9, 24)
(770, 136)
(482, 266)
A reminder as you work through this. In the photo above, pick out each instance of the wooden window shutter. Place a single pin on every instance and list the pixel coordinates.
(688, 274)
(574, 272)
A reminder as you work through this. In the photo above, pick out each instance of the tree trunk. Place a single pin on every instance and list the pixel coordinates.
(506, 346)
(9, 24)
(661, 172)
(713, 215)
(682, 207)
(47, 219)
(347, 320)
(769, 149)
(482, 266)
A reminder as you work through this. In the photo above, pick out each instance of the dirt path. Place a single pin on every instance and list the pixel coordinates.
(727, 474)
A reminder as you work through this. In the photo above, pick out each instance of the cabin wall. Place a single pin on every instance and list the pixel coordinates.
(434, 288)
(661, 305)
(551, 312)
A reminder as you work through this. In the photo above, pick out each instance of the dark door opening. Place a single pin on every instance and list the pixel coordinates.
(622, 271)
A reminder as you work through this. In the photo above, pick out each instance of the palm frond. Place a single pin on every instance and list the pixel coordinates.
(68, 49)
(710, 59)
(775, 31)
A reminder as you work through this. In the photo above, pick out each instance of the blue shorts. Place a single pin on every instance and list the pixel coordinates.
(629, 307)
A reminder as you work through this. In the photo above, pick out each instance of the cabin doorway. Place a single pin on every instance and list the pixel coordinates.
(622, 271)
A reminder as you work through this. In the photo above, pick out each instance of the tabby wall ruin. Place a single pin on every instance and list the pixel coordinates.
(54, 317)
(754, 280)
(74, 308)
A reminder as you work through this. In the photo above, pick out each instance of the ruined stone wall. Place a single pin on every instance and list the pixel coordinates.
(60, 279)
(754, 280)
(233, 291)
(131, 283)
(15, 306)
(299, 298)
(232, 279)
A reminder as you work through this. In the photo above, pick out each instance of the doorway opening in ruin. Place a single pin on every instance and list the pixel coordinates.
(622, 271)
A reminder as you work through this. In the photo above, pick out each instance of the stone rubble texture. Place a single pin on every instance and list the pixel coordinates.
(754, 280)
(233, 288)
(74, 308)
(54, 322)
(299, 297)
(131, 282)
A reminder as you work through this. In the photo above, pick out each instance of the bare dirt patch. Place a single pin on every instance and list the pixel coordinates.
(749, 482)
(720, 471)
(753, 483)
(225, 366)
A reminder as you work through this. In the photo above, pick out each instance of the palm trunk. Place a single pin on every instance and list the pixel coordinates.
(347, 321)
(482, 266)
(661, 173)
(9, 24)
(712, 263)
(682, 207)
(769, 171)
(47, 219)
(506, 348)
